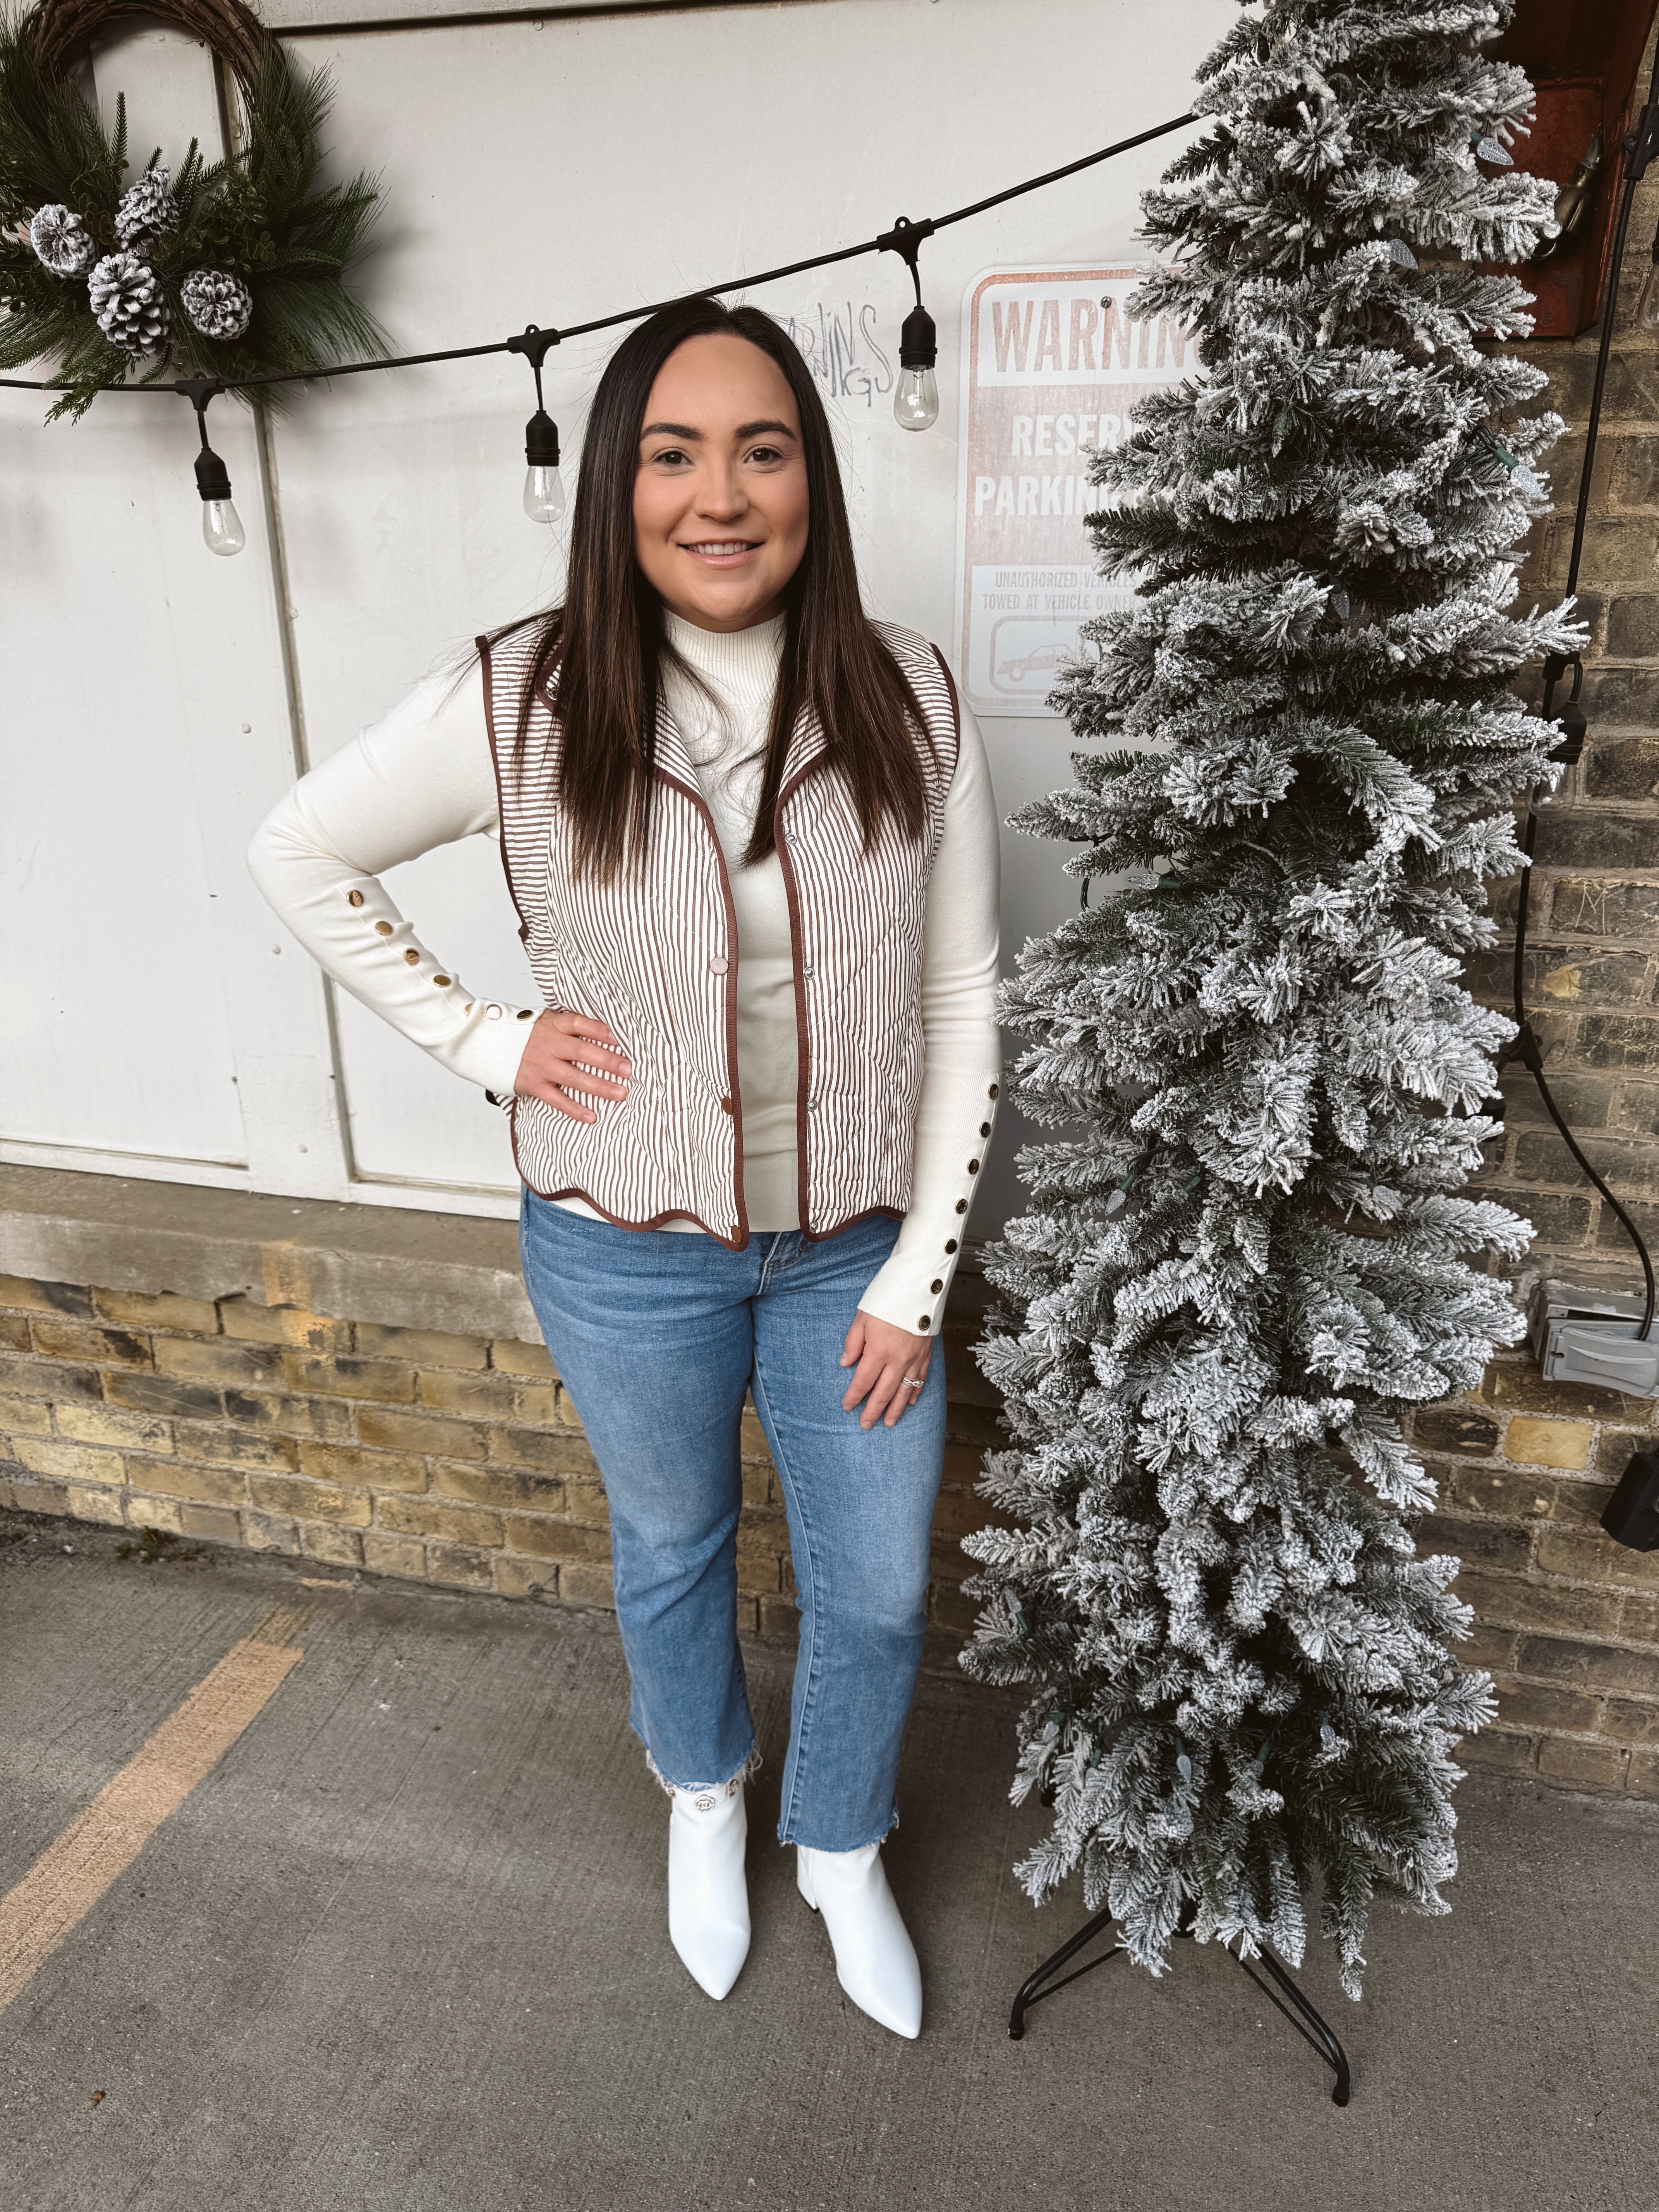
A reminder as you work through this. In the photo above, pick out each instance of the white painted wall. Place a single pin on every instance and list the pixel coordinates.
(545, 171)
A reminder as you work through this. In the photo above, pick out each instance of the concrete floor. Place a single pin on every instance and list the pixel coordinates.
(404, 1951)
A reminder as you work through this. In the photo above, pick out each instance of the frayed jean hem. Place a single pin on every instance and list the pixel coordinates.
(750, 1768)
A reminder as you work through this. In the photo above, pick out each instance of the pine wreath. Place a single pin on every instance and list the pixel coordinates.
(226, 269)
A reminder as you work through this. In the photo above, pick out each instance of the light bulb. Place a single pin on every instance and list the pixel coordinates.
(221, 527)
(544, 495)
(915, 399)
(915, 396)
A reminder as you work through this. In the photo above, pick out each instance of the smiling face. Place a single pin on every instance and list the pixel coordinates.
(720, 507)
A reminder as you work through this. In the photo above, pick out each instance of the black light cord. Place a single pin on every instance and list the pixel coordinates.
(1641, 143)
(902, 239)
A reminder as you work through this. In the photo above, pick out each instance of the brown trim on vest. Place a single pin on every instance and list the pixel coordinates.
(496, 766)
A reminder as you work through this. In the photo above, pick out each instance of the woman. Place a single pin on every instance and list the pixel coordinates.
(752, 842)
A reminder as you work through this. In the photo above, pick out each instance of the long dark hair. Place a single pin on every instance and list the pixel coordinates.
(598, 654)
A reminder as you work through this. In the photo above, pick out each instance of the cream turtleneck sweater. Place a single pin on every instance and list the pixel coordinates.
(423, 776)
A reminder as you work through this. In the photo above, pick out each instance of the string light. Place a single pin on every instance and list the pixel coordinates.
(222, 526)
(915, 399)
(915, 396)
(544, 487)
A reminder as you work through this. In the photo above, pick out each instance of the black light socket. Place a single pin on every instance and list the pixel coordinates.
(541, 441)
(212, 476)
(1632, 1514)
(918, 340)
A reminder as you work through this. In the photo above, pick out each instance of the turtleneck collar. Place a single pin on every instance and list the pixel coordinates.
(737, 662)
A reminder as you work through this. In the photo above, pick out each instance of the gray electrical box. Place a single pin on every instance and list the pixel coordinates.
(1590, 1336)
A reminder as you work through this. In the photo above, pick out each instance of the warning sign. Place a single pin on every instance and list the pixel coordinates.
(1052, 366)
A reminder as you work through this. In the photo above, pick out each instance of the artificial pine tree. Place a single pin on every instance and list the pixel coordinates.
(1244, 1261)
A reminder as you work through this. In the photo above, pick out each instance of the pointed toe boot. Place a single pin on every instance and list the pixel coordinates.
(708, 1894)
(875, 1959)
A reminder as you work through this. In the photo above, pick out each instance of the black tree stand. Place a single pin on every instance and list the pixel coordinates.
(1308, 2023)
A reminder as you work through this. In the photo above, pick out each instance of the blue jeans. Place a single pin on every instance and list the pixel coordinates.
(658, 1336)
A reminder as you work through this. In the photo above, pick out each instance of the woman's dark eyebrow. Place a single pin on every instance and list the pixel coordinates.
(685, 430)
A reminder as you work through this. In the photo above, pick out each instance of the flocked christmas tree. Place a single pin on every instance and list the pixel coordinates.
(1245, 1259)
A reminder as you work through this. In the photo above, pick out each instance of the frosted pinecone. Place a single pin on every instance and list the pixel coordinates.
(126, 300)
(61, 240)
(220, 304)
(146, 207)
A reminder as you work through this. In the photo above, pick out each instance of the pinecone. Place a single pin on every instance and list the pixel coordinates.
(146, 207)
(61, 240)
(126, 300)
(220, 304)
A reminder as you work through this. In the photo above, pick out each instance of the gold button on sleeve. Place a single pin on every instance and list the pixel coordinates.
(383, 928)
(354, 898)
(442, 982)
(413, 957)
(937, 1285)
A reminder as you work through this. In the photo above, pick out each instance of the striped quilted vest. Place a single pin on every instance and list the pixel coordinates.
(655, 954)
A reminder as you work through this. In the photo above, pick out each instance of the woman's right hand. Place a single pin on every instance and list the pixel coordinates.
(570, 1054)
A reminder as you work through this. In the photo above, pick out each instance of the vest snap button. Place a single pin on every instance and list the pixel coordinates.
(950, 1243)
(717, 962)
(984, 1128)
(937, 1285)
(972, 1167)
(992, 1092)
(805, 967)
(811, 1105)
(962, 1205)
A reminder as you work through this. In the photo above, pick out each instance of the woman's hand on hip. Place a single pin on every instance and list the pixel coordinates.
(569, 1057)
(889, 1361)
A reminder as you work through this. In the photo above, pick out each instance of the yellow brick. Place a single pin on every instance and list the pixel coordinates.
(310, 1501)
(495, 1486)
(757, 1578)
(424, 1347)
(83, 1340)
(204, 1486)
(550, 1451)
(290, 1325)
(133, 1310)
(107, 1424)
(211, 1359)
(24, 1417)
(363, 1470)
(396, 1430)
(45, 1297)
(587, 1585)
(1596, 1766)
(1533, 1443)
(95, 1504)
(490, 1397)
(270, 1532)
(212, 1522)
(426, 1517)
(586, 1501)
(544, 1537)
(155, 1513)
(517, 1577)
(394, 1555)
(757, 1483)
(342, 1546)
(69, 1462)
(215, 1440)
(508, 1357)
(387, 1381)
(456, 1566)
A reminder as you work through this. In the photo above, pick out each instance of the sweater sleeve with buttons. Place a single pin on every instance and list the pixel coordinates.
(422, 776)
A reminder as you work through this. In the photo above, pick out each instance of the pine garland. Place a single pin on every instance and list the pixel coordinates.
(1245, 1261)
(228, 269)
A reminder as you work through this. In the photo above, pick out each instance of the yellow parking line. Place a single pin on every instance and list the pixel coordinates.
(72, 1874)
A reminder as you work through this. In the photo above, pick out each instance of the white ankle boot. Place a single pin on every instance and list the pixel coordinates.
(875, 1959)
(708, 1895)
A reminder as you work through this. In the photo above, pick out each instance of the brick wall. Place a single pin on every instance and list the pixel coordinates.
(1568, 1620)
(450, 1459)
